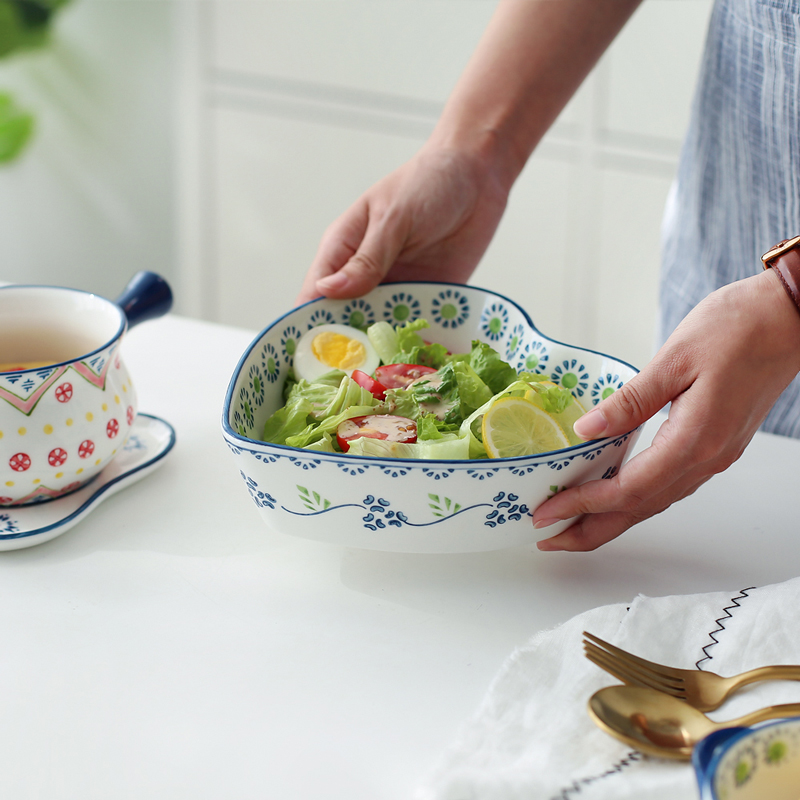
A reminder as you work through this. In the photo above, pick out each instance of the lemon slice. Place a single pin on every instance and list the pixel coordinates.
(513, 426)
(567, 418)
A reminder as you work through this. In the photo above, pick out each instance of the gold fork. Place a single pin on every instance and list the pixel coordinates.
(703, 690)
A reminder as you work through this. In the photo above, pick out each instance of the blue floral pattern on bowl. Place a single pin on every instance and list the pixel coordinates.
(358, 313)
(289, 339)
(494, 321)
(604, 386)
(533, 357)
(514, 342)
(320, 317)
(572, 375)
(400, 308)
(450, 308)
(270, 364)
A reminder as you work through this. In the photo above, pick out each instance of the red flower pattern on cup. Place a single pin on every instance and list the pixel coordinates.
(6, 500)
(130, 415)
(19, 462)
(86, 448)
(112, 429)
(64, 393)
(57, 457)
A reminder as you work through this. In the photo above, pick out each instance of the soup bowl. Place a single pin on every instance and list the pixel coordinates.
(414, 505)
(67, 401)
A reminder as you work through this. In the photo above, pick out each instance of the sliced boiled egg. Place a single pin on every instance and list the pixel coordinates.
(328, 347)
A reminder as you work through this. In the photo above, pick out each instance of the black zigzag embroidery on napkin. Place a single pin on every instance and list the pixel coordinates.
(721, 623)
(577, 786)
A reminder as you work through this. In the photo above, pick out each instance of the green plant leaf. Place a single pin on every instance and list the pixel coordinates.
(26, 24)
(16, 128)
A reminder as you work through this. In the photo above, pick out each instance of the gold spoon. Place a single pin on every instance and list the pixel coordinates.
(664, 726)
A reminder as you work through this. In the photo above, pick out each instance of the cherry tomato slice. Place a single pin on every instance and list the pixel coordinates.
(376, 426)
(398, 376)
(370, 384)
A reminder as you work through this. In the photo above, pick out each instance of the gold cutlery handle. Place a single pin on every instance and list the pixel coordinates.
(779, 672)
(770, 712)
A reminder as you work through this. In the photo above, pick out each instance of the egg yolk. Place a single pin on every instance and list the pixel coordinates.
(338, 351)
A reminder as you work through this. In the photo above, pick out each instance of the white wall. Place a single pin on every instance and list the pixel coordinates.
(92, 200)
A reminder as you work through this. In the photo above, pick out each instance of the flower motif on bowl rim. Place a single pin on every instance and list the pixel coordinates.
(401, 308)
(450, 308)
(270, 363)
(533, 357)
(605, 386)
(494, 321)
(358, 313)
(572, 375)
(289, 339)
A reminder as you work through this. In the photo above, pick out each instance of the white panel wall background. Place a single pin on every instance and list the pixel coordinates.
(293, 107)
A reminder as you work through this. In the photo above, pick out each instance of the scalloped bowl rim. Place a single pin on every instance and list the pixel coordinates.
(587, 446)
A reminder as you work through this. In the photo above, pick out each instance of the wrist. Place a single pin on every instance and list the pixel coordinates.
(484, 146)
(784, 261)
(779, 314)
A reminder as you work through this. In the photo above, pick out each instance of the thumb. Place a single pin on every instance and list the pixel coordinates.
(368, 266)
(630, 406)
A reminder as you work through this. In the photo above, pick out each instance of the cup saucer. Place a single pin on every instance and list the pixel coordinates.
(150, 439)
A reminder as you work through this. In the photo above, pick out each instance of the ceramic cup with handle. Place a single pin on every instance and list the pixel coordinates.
(67, 402)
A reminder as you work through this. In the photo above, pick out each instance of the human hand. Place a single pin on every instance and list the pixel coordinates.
(722, 370)
(431, 219)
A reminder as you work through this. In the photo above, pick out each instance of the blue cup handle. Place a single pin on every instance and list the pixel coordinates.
(147, 296)
(705, 755)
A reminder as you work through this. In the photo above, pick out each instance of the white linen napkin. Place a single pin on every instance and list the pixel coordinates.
(532, 737)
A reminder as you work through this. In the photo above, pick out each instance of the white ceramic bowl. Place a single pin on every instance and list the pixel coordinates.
(413, 505)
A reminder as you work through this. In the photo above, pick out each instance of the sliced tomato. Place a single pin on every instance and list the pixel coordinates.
(376, 426)
(370, 384)
(398, 376)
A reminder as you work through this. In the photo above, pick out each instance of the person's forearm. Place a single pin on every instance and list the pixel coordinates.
(529, 62)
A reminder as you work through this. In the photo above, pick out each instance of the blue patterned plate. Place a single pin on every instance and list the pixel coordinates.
(149, 441)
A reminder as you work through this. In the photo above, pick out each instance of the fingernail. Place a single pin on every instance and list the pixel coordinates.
(545, 523)
(591, 425)
(336, 281)
(548, 545)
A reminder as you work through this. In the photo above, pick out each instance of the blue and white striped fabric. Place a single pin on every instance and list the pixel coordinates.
(738, 186)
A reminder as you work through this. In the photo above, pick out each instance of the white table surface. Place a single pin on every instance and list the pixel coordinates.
(170, 646)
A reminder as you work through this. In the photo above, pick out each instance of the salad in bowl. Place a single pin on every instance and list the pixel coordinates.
(388, 392)
(422, 417)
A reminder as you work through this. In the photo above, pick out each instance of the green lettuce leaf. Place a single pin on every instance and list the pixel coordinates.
(404, 345)
(383, 338)
(553, 399)
(290, 420)
(449, 447)
(492, 370)
(315, 433)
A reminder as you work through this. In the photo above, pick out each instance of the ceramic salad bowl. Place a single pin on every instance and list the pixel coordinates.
(757, 763)
(414, 505)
